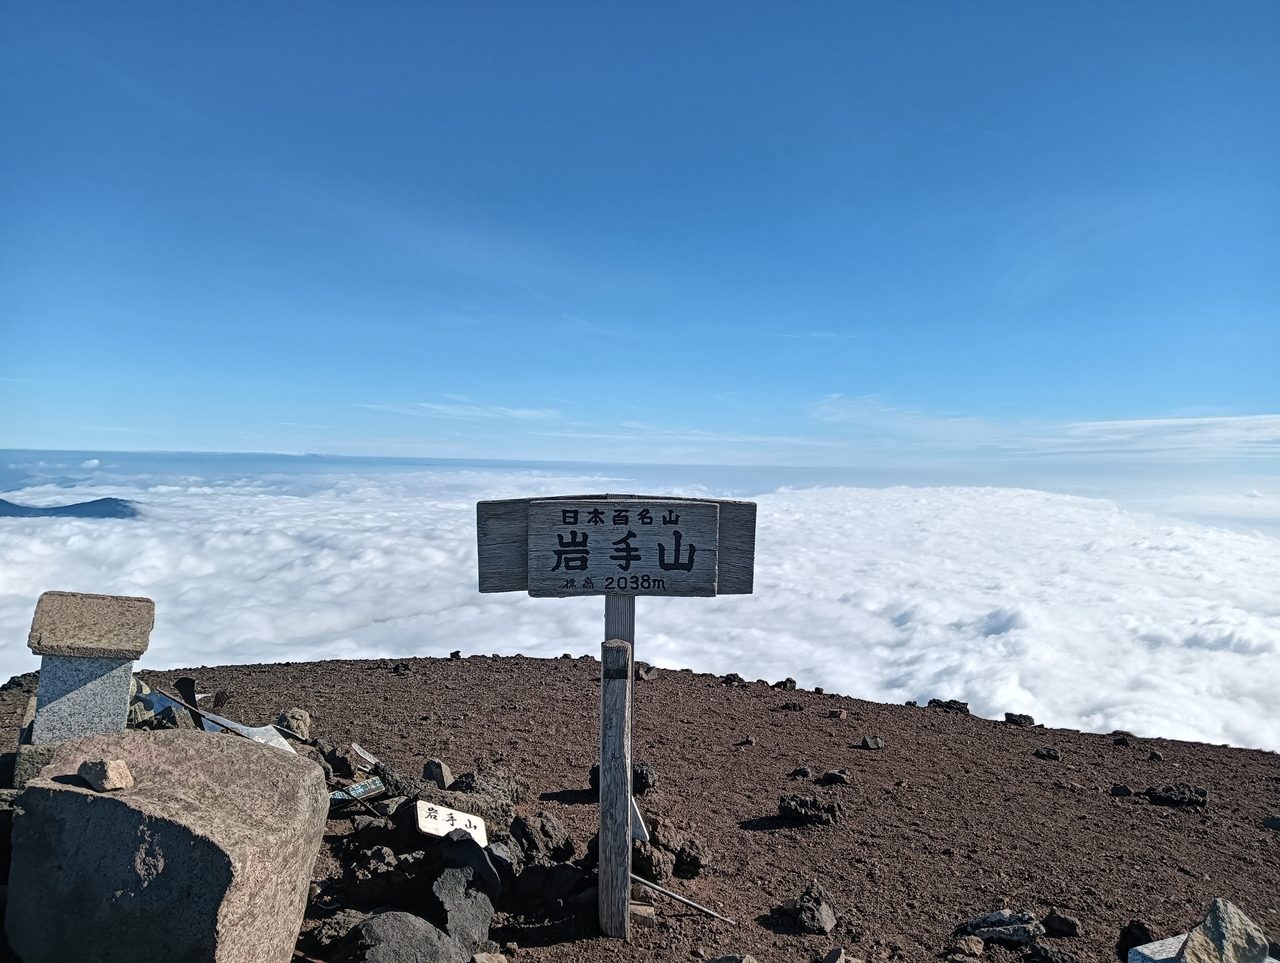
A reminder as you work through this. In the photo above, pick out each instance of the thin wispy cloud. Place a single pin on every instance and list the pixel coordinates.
(869, 420)
(461, 408)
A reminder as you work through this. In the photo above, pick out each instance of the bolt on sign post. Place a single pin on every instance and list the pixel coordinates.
(618, 546)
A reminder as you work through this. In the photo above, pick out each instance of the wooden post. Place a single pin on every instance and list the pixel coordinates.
(615, 781)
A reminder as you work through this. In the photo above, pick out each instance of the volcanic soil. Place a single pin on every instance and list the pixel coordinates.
(954, 817)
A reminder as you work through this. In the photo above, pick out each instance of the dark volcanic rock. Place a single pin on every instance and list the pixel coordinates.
(1019, 719)
(542, 836)
(97, 508)
(459, 850)
(834, 777)
(734, 679)
(399, 938)
(1049, 953)
(792, 707)
(950, 705)
(811, 910)
(809, 810)
(1060, 925)
(334, 929)
(1121, 790)
(1049, 753)
(804, 772)
(652, 862)
(787, 685)
(1005, 927)
(1179, 794)
(1135, 933)
(872, 742)
(456, 904)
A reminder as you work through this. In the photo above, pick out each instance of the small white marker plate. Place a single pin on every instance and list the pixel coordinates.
(441, 821)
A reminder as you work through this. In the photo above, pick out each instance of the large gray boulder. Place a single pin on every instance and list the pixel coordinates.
(207, 857)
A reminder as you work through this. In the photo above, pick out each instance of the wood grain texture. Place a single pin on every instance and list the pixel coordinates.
(615, 789)
(502, 543)
(737, 561)
(624, 547)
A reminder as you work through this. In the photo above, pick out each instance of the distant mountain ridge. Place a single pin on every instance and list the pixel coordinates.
(98, 508)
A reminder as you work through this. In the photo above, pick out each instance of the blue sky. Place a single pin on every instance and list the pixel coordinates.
(721, 232)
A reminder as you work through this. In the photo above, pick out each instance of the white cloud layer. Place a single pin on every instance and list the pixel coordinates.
(1076, 610)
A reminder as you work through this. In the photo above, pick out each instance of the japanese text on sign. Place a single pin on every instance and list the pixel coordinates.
(623, 547)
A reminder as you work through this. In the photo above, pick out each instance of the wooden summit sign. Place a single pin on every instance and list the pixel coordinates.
(618, 546)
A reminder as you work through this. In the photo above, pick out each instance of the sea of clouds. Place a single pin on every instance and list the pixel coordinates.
(1077, 610)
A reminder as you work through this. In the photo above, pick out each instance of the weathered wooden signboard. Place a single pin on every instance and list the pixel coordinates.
(618, 546)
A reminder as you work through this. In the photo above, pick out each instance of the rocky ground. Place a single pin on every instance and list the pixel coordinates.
(952, 816)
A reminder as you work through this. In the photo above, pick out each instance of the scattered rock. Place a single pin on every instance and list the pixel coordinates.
(1049, 753)
(747, 741)
(950, 705)
(296, 720)
(645, 673)
(1006, 927)
(792, 706)
(643, 778)
(837, 713)
(809, 810)
(542, 836)
(787, 685)
(1121, 741)
(1225, 935)
(734, 958)
(1155, 755)
(455, 654)
(457, 905)
(1060, 925)
(397, 937)
(488, 958)
(1049, 953)
(835, 777)
(1121, 790)
(965, 946)
(1019, 719)
(437, 773)
(651, 862)
(838, 955)
(811, 910)
(1134, 933)
(1271, 822)
(334, 929)
(871, 742)
(733, 679)
(106, 775)
(459, 850)
(1180, 794)
(804, 772)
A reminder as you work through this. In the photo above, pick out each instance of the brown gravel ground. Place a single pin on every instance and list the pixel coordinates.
(954, 817)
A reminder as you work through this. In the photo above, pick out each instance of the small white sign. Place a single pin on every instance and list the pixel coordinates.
(441, 821)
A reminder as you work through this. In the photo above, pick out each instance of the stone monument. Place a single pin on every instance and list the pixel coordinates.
(87, 645)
